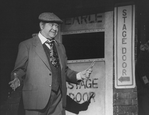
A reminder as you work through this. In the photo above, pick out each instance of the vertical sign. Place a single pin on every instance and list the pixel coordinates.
(124, 46)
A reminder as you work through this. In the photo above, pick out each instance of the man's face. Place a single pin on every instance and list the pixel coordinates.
(49, 30)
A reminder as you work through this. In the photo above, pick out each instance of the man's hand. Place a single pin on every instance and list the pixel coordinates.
(86, 73)
(14, 83)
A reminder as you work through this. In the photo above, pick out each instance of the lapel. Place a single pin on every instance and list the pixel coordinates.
(40, 51)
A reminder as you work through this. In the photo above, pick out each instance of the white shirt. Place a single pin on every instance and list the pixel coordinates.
(43, 39)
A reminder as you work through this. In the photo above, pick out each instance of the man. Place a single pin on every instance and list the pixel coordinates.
(42, 65)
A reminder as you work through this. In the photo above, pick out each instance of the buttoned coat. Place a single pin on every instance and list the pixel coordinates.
(32, 63)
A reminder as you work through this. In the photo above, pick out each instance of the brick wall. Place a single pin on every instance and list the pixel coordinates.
(125, 102)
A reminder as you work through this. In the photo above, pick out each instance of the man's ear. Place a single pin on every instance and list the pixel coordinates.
(41, 25)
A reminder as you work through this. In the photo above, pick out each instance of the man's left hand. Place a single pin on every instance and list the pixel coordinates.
(86, 73)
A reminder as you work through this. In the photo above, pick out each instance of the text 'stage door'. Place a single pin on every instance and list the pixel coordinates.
(86, 39)
(89, 94)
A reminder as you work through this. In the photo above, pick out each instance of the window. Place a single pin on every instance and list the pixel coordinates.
(84, 45)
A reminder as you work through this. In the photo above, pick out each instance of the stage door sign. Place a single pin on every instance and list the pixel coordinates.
(87, 97)
(124, 46)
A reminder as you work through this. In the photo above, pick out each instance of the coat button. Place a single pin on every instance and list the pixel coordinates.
(49, 85)
(50, 74)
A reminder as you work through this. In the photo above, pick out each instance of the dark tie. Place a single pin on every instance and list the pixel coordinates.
(53, 53)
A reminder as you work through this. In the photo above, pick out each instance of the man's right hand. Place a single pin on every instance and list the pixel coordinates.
(14, 83)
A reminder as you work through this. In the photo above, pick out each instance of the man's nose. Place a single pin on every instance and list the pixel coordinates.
(55, 27)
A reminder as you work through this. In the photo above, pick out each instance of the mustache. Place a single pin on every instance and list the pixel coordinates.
(53, 30)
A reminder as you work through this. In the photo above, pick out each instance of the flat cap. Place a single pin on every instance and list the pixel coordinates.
(49, 17)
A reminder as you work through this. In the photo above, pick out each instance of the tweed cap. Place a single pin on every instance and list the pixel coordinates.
(49, 17)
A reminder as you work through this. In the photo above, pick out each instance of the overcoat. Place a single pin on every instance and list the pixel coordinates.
(32, 63)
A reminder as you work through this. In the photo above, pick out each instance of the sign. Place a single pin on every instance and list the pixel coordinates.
(124, 46)
(86, 22)
(87, 97)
